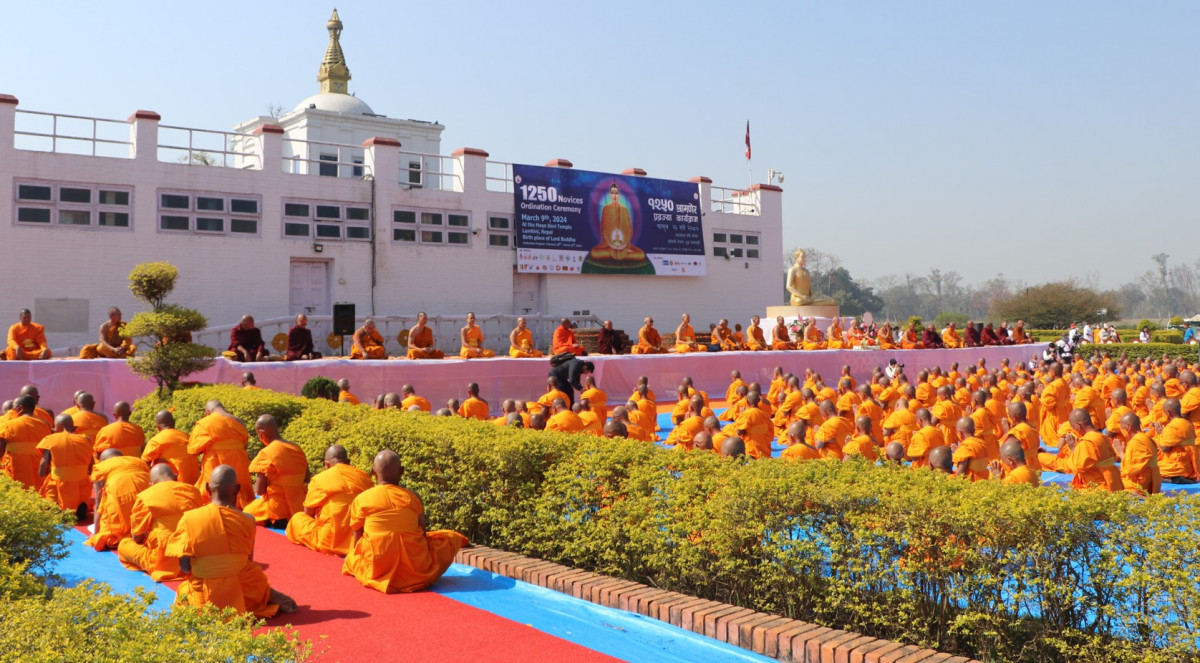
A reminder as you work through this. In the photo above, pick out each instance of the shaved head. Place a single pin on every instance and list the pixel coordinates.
(110, 453)
(164, 419)
(387, 467)
(894, 452)
(64, 422)
(1012, 450)
(336, 454)
(942, 459)
(267, 426)
(733, 447)
(162, 472)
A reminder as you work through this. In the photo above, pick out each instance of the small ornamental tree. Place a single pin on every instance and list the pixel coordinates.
(167, 329)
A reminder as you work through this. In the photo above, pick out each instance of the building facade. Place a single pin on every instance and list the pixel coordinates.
(328, 203)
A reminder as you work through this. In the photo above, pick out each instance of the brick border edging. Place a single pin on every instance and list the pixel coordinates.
(770, 635)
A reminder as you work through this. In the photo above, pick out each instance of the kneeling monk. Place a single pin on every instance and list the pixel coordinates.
(215, 545)
(282, 471)
(156, 512)
(392, 551)
(324, 525)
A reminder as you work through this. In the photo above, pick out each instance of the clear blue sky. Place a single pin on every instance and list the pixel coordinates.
(976, 137)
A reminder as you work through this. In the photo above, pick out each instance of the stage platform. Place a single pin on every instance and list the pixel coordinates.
(110, 380)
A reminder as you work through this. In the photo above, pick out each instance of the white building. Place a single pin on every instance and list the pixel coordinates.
(329, 203)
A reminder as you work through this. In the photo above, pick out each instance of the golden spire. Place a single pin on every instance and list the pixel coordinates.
(334, 74)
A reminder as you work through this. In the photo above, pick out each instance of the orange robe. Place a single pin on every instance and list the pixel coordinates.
(836, 340)
(222, 441)
(524, 346)
(474, 408)
(1093, 463)
(219, 542)
(30, 338)
(112, 336)
(884, 337)
(724, 338)
(1028, 437)
(910, 342)
(68, 485)
(419, 401)
(170, 445)
(347, 397)
(684, 434)
(812, 339)
(395, 553)
(121, 435)
(758, 431)
(685, 335)
(592, 423)
(423, 339)
(564, 341)
(834, 431)
(329, 494)
(21, 456)
(923, 441)
(973, 451)
(472, 348)
(124, 477)
(1139, 467)
(156, 512)
(286, 468)
(861, 445)
(564, 422)
(372, 347)
(597, 400)
(1023, 475)
(951, 339)
(89, 423)
(755, 340)
(947, 413)
(1175, 446)
(649, 342)
(37, 412)
(1056, 406)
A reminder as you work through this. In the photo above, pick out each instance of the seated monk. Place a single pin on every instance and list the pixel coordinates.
(739, 336)
(300, 342)
(1002, 334)
(281, 470)
(344, 395)
(117, 480)
(813, 339)
(420, 340)
(368, 342)
(597, 399)
(780, 336)
(616, 232)
(170, 445)
(156, 511)
(393, 552)
(836, 338)
(564, 419)
(723, 337)
(215, 546)
(44, 415)
(1139, 457)
(246, 341)
(564, 340)
(988, 337)
(127, 438)
(111, 345)
(909, 340)
(520, 342)
(856, 337)
(410, 399)
(1013, 468)
(931, 339)
(221, 438)
(1019, 336)
(474, 407)
(971, 335)
(473, 341)
(1092, 459)
(66, 467)
(884, 337)
(324, 524)
(608, 341)
(755, 339)
(950, 337)
(685, 336)
(19, 437)
(27, 339)
(649, 340)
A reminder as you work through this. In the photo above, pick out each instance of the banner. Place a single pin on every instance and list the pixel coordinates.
(580, 222)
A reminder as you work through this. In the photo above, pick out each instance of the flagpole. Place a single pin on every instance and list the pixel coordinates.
(749, 160)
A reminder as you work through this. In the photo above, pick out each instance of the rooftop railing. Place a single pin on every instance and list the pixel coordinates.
(204, 147)
(314, 157)
(72, 134)
(734, 201)
(430, 171)
(498, 176)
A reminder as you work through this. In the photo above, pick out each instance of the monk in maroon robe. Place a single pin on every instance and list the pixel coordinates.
(989, 336)
(971, 335)
(246, 341)
(300, 343)
(930, 338)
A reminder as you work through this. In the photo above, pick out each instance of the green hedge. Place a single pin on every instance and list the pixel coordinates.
(1166, 336)
(978, 569)
(1139, 350)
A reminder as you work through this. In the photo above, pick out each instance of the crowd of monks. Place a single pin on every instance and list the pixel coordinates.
(185, 505)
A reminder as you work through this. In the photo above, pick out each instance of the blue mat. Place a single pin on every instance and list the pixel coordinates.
(83, 563)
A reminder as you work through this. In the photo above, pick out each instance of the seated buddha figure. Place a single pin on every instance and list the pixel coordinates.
(799, 284)
(616, 232)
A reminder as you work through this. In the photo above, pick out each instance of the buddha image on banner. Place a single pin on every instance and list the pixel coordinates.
(581, 222)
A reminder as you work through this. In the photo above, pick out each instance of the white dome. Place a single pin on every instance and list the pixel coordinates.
(336, 103)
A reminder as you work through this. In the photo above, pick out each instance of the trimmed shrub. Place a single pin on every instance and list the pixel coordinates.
(1173, 336)
(33, 530)
(1139, 350)
(946, 317)
(92, 623)
(1176, 321)
(1152, 326)
(246, 404)
(320, 387)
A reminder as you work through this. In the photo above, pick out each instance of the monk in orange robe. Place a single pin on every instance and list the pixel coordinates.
(592, 422)
(924, 440)
(1139, 458)
(324, 524)
(755, 428)
(87, 421)
(66, 467)
(121, 435)
(221, 438)
(281, 471)
(156, 512)
(564, 420)
(971, 456)
(1024, 434)
(19, 437)
(862, 444)
(27, 339)
(1019, 335)
(420, 340)
(685, 336)
(910, 340)
(723, 337)
(754, 336)
(837, 339)
(118, 480)
(344, 394)
(856, 337)
(649, 340)
(597, 399)
(520, 341)
(111, 344)
(951, 338)
(780, 336)
(684, 434)
(616, 232)
(1013, 468)
(474, 407)
(215, 547)
(1176, 442)
(44, 415)
(1093, 460)
(472, 341)
(170, 445)
(1055, 403)
(368, 342)
(812, 339)
(884, 337)
(564, 340)
(393, 551)
(412, 399)
(799, 443)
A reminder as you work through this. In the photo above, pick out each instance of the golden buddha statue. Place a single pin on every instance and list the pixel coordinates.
(799, 283)
(616, 232)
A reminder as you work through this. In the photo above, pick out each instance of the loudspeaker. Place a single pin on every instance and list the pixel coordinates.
(343, 319)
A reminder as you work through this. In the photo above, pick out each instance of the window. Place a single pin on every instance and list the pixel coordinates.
(326, 220)
(206, 213)
(414, 174)
(735, 245)
(499, 231)
(75, 205)
(431, 227)
(328, 169)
